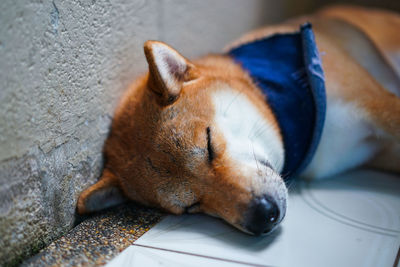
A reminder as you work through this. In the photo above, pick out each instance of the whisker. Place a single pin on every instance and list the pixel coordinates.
(290, 184)
(254, 128)
(261, 130)
(233, 100)
(258, 168)
(278, 161)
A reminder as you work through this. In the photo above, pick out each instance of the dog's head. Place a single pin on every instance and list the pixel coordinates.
(195, 137)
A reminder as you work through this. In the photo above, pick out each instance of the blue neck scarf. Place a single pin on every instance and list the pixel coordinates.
(288, 70)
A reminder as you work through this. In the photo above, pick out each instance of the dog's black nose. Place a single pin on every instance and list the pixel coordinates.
(262, 215)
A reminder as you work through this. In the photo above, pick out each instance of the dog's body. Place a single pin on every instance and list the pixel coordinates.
(200, 137)
(360, 53)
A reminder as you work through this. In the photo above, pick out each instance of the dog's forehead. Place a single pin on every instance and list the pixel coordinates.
(192, 104)
(169, 113)
(194, 109)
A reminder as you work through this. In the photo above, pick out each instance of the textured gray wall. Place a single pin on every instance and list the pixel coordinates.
(63, 66)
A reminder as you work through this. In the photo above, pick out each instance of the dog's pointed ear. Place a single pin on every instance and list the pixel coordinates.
(103, 194)
(168, 70)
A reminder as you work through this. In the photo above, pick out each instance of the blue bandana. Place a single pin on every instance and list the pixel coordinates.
(287, 68)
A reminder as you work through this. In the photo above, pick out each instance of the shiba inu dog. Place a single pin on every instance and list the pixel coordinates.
(214, 135)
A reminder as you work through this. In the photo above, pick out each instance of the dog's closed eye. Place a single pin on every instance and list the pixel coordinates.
(210, 150)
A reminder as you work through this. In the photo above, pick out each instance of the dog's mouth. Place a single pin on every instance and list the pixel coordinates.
(264, 233)
(194, 208)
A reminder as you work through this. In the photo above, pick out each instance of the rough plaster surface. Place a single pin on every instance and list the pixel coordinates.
(63, 66)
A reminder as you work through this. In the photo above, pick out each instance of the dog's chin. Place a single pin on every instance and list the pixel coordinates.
(266, 233)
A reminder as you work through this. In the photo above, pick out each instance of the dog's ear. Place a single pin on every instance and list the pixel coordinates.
(168, 70)
(103, 194)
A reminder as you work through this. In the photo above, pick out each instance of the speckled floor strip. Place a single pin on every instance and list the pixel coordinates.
(99, 238)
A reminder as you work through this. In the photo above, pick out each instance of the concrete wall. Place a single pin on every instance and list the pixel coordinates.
(63, 66)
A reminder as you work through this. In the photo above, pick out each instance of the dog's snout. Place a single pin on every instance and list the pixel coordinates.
(262, 215)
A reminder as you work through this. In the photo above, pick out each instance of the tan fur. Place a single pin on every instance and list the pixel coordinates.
(157, 148)
(141, 153)
(382, 26)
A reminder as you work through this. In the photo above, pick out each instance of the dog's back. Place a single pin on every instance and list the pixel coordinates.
(381, 26)
(370, 36)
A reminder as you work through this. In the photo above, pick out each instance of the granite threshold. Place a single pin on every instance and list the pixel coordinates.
(98, 238)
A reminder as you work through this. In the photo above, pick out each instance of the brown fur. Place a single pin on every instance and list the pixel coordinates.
(157, 149)
(142, 155)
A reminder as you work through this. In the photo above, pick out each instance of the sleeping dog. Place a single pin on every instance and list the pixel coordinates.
(312, 97)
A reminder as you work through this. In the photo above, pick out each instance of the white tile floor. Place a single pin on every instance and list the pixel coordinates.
(350, 220)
